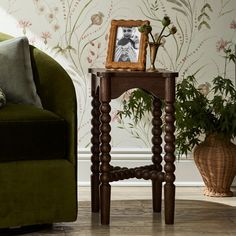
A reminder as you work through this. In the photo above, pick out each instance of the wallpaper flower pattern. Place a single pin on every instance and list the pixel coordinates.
(75, 32)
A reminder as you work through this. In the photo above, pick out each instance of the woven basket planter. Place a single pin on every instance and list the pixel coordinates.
(216, 161)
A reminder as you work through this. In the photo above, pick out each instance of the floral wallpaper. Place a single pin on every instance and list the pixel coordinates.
(75, 33)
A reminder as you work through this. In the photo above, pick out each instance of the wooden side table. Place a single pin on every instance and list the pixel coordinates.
(110, 84)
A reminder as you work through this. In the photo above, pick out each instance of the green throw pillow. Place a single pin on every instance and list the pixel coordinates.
(16, 76)
(2, 98)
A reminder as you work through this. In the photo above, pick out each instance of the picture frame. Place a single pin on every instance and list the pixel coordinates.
(127, 46)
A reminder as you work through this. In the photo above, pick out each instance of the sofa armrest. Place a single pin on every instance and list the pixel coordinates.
(57, 93)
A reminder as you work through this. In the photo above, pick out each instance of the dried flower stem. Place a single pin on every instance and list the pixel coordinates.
(166, 35)
(159, 37)
(152, 37)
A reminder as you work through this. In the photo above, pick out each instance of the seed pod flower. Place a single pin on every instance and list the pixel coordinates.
(165, 21)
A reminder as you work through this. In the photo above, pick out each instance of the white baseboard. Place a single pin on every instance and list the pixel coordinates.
(131, 183)
(186, 172)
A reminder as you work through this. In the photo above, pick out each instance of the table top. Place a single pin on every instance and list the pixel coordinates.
(114, 73)
(113, 83)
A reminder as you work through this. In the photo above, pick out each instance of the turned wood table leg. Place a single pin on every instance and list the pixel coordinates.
(110, 84)
(169, 188)
(105, 188)
(156, 150)
(95, 152)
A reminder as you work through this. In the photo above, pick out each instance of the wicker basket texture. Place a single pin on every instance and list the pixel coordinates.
(215, 158)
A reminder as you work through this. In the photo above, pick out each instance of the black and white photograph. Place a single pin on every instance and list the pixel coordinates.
(127, 44)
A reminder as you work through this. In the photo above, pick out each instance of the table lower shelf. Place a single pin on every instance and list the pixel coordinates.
(149, 172)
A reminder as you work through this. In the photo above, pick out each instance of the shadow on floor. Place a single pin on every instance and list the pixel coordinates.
(25, 230)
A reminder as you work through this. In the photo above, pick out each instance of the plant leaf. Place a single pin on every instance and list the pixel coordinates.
(180, 10)
(203, 23)
(175, 2)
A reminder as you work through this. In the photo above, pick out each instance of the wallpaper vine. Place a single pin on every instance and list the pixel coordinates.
(75, 32)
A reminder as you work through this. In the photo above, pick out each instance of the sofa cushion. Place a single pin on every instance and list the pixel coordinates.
(16, 76)
(29, 133)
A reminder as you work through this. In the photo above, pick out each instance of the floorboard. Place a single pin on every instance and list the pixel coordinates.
(131, 214)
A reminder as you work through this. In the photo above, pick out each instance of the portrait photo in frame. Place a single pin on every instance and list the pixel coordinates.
(126, 46)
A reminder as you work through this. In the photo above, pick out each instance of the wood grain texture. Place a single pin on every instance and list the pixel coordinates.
(195, 215)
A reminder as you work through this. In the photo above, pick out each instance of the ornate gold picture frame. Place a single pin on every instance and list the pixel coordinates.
(127, 46)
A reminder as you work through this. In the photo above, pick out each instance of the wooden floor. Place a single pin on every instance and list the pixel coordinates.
(131, 214)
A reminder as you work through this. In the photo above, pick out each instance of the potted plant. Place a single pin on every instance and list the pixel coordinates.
(206, 125)
(209, 111)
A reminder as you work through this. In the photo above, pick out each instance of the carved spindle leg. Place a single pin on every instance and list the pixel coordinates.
(156, 150)
(105, 188)
(169, 188)
(95, 153)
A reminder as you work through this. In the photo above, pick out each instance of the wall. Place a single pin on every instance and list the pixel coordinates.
(75, 32)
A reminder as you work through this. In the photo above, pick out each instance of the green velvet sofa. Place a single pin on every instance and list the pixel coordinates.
(38, 151)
